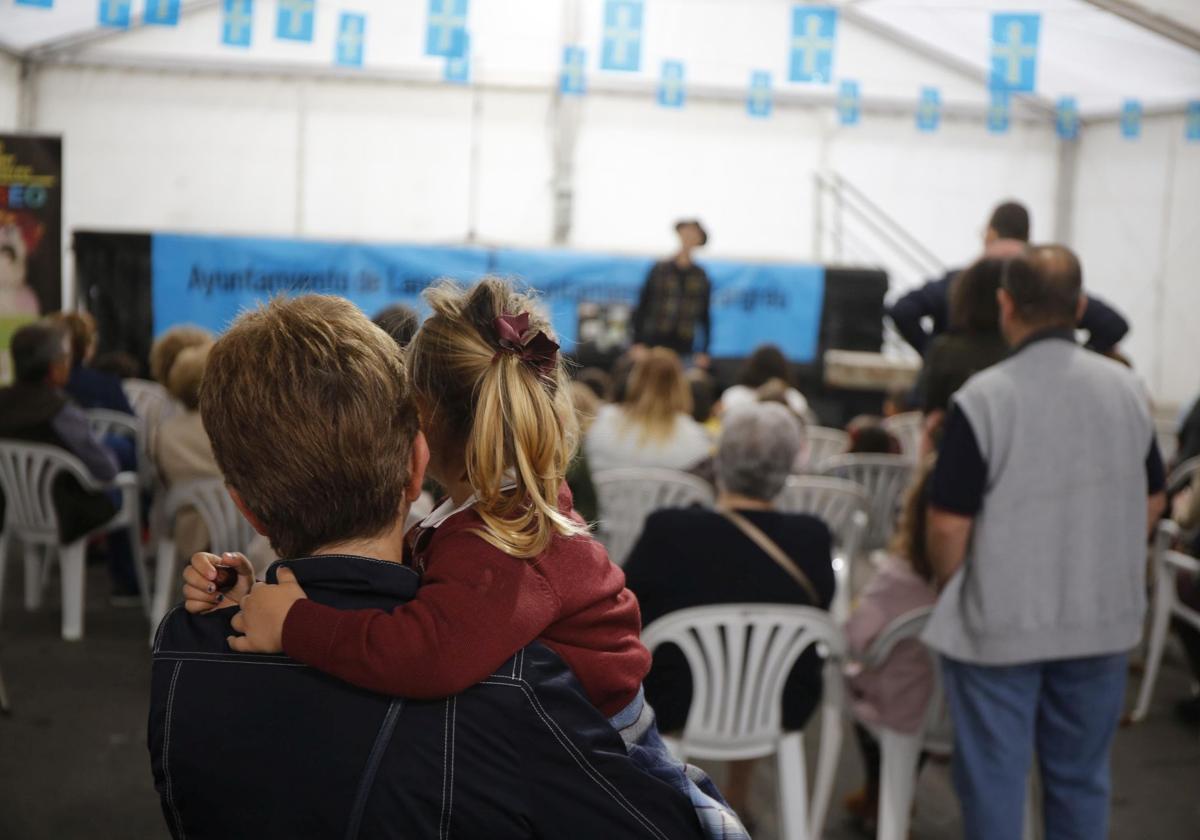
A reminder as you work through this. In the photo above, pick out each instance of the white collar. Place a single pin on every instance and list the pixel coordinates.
(447, 508)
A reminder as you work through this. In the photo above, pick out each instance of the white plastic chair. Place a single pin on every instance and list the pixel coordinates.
(626, 496)
(909, 429)
(105, 423)
(885, 478)
(227, 529)
(843, 506)
(740, 656)
(824, 443)
(27, 475)
(1166, 564)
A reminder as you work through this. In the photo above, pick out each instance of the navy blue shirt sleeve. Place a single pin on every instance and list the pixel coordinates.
(1156, 474)
(960, 477)
(1105, 325)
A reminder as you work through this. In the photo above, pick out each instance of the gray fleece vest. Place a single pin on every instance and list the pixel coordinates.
(1056, 563)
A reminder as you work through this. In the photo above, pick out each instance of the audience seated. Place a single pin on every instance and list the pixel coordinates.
(766, 363)
(653, 427)
(599, 381)
(182, 449)
(778, 391)
(320, 442)
(398, 321)
(1185, 510)
(895, 694)
(704, 399)
(579, 473)
(162, 356)
(973, 342)
(697, 556)
(119, 363)
(89, 387)
(37, 409)
(1189, 434)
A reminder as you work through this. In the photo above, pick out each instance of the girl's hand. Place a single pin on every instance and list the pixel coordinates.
(208, 585)
(263, 612)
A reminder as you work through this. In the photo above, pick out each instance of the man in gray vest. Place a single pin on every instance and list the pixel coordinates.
(1037, 530)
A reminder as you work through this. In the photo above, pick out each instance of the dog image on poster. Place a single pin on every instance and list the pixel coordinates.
(19, 237)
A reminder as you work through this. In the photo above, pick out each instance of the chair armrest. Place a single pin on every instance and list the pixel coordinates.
(1180, 562)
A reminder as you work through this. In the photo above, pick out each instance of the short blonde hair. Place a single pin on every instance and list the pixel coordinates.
(658, 393)
(187, 373)
(311, 420)
(81, 327)
(168, 345)
(513, 418)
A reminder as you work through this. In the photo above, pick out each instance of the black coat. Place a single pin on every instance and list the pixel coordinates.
(695, 557)
(263, 747)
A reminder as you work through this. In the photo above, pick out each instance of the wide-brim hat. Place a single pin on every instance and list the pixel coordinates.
(682, 223)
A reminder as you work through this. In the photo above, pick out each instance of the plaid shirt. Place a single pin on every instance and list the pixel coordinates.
(674, 301)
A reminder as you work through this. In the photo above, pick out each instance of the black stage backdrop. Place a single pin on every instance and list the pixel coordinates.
(113, 275)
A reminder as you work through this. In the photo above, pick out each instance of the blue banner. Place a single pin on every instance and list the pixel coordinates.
(237, 22)
(759, 100)
(571, 80)
(622, 45)
(1191, 128)
(929, 111)
(115, 13)
(671, 92)
(208, 280)
(352, 30)
(458, 70)
(1131, 119)
(1014, 52)
(294, 19)
(849, 103)
(999, 111)
(162, 12)
(41, 4)
(814, 34)
(1067, 118)
(446, 28)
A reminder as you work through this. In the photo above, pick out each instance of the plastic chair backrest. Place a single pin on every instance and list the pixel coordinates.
(824, 443)
(937, 733)
(1182, 474)
(227, 529)
(104, 422)
(832, 500)
(27, 474)
(151, 401)
(908, 428)
(885, 478)
(626, 496)
(740, 656)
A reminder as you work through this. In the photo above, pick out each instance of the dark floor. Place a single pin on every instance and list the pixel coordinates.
(73, 760)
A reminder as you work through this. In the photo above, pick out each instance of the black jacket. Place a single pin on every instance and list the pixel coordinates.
(263, 747)
(674, 304)
(1104, 325)
(694, 557)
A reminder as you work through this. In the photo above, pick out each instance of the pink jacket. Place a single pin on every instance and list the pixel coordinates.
(894, 695)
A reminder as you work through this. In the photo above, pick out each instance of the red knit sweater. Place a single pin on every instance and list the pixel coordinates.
(476, 607)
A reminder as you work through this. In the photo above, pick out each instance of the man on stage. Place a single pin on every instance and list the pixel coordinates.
(674, 303)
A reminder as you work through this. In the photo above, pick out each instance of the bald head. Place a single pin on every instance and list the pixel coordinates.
(1044, 288)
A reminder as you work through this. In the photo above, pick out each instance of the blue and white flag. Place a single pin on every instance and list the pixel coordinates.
(1131, 119)
(622, 45)
(162, 12)
(814, 35)
(759, 100)
(115, 13)
(671, 92)
(1014, 52)
(458, 70)
(41, 4)
(571, 80)
(446, 28)
(1191, 125)
(352, 32)
(1066, 120)
(237, 22)
(294, 19)
(849, 103)
(929, 110)
(999, 111)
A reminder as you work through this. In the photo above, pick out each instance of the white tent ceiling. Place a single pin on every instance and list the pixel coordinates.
(1091, 49)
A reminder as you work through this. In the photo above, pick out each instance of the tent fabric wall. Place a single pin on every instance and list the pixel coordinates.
(10, 73)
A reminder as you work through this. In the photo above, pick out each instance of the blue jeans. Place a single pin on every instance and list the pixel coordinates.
(1067, 710)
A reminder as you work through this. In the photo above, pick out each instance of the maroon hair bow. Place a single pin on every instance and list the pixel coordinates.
(536, 348)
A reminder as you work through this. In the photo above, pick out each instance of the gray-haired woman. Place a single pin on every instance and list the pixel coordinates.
(696, 557)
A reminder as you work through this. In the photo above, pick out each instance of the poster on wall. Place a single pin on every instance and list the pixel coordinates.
(30, 232)
(208, 280)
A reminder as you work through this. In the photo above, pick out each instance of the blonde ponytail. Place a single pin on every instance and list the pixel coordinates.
(513, 415)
